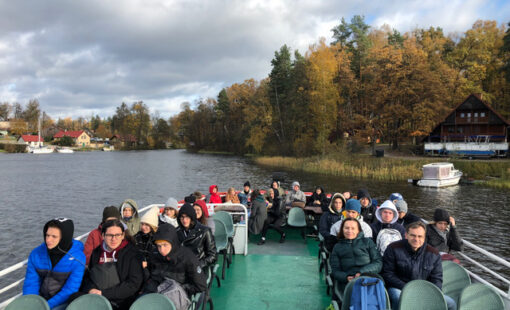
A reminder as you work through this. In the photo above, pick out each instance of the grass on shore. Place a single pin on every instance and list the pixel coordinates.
(494, 173)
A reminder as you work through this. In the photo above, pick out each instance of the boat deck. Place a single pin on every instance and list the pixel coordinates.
(274, 276)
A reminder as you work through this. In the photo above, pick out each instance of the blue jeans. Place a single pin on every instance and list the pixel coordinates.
(394, 294)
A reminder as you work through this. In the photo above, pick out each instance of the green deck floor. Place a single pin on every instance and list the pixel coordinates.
(273, 276)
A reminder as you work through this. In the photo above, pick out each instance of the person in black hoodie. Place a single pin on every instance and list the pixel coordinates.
(274, 216)
(197, 237)
(175, 262)
(319, 199)
(367, 208)
(115, 268)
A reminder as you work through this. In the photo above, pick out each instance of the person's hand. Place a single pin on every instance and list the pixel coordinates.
(317, 202)
(144, 264)
(349, 278)
(452, 221)
(95, 291)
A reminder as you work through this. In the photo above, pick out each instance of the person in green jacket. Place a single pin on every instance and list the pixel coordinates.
(129, 213)
(354, 254)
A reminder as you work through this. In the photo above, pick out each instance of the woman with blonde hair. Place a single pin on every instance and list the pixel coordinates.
(231, 196)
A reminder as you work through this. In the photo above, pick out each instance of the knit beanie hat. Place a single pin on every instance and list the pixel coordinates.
(151, 217)
(247, 183)
(110, 211)
(295, 183)
(401, 206)
(172, 203)
(353, 204)
(362, 193)
(396, 196)
(202, 205)
(441, 215)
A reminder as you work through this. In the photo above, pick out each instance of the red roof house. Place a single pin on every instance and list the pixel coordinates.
(80, 137)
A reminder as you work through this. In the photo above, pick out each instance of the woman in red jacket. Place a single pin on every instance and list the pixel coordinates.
(214, 197)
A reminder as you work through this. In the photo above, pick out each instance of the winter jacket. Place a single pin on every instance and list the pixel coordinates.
(54, 283)
(294, 196)
(198, 238)
(243, 197)
(145, 244)
(330, 217)
(408, 219)
(354, 256)
(323, 200)
(130, 271)
(258, 215)
(180, 265)
(94, 239)
(401, 264)
(214, 197)
(368, 212)
(133, 224)
(378, 225)
(452, 241)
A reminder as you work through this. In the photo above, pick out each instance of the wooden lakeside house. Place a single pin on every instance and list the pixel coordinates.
(473, 128)
(80, 137)
(121, 141)
(31, 140)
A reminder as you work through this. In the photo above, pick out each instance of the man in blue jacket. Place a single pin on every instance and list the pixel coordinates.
(55, 268)
(412, 259)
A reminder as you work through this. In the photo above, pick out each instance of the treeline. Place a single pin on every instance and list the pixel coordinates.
(369, 85)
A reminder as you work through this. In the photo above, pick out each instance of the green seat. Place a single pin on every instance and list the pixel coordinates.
(221, 239)
(153, 301)
(226, 218)
(28, 302)
(421, 295)
(480, 296)
(455, 279)
(297, 218)
(346, 299)
(90, 301)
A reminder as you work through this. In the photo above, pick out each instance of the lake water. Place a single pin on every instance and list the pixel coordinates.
(36, 188)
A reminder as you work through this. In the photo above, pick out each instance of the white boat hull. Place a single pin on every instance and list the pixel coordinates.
(440, 182)
(42, 150)
(65, 151)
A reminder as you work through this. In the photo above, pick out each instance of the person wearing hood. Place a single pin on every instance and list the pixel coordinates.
(245, 193)
(353, 254)
(258, 213)
(295, 198)
(144, 240)
(404, 216)
(214, 197)
(173, 261)
(352, 210)
(275, 185)
(115, 269)
(195, 236)
(274, 216)
(169, 214)
(55, 268)
(319, 199)
(367, 207)
(333, 215)
(129, 212)
(442, 233)
(95, 238)
(203, 215)
(386, 229)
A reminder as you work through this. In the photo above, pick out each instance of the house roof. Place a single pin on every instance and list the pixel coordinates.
(32, 138)
(72, 134)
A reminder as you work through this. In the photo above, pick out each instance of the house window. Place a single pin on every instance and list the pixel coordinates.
(482, 114)
(476, 114)
(461, 115)
(469, 115)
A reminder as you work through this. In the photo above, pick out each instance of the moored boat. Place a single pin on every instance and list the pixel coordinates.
(439, 175)
(65, 150)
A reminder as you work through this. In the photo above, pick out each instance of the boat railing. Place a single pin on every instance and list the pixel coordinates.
(241, 210)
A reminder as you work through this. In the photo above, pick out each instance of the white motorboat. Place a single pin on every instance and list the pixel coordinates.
(108, 148)
(65, 150)
(439, 175)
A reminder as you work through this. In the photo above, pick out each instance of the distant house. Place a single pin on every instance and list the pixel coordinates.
(80, 137)
(31, 140)
(472, 128)
(123, 140)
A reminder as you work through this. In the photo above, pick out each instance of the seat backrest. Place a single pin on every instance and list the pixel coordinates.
(480, 296)
(455, 279)
(90, 301)
(220, 234)
(422, 295)
(226, 218)
(28, 302)
(153, 301)
(296, 217)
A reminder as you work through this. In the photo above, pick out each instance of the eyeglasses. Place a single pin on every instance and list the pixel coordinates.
(111, 236)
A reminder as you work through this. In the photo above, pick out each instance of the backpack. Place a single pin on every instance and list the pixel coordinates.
(368, 294)
(385, 237)
(175, 292)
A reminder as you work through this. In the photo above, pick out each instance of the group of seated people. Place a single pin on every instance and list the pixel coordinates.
(126, 256)
(393, 244)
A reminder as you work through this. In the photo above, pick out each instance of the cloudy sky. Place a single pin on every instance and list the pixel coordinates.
(83, 57)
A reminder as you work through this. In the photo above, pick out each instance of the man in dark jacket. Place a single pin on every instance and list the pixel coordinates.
(442, 233)
(412, 259)
(174, 262)
(195, 236)
(367, 208)
(404, 216)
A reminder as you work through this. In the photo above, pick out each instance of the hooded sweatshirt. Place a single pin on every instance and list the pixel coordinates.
(331, 216)
(368, 212)
(214, 197)
(379, 225)
(323, 200)
(295, 196)
(56, 274)
(133, 223)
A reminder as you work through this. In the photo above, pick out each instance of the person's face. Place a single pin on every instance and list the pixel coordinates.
(364, 202)
(442, 225)
(246, 188)
(170, 212)
(164, 247)
(274, 185)
(296, 188)
(271, 194)
(401, 215)
(416, 237)
(127, 212)
(185, 220)
(198, 211)
(350, 230)
(231, 192)
(338, 204)
(318, 191)
(53, 237)
(347, 195)
(113, 237)
(352, 214)
(145, 228)
(387, 215)
(215, 190)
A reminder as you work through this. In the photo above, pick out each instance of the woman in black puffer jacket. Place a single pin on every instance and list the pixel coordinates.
(195, 236)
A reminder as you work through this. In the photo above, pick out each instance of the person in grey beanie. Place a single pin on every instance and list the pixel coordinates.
(295, 198)
(404, 216)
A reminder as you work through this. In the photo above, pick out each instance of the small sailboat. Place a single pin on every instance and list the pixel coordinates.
(40, 148)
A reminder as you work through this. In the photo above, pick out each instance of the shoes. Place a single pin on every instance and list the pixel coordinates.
(282, 238)
(261, 242)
